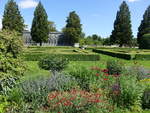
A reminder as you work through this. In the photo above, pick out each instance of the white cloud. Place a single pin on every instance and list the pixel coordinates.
(133, 0)
(24, 4)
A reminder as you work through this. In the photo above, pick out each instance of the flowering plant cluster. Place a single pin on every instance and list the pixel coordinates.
(109, 83)
(76, 100)
(104, 78)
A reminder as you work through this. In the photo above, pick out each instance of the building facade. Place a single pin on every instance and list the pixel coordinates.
(55, 39)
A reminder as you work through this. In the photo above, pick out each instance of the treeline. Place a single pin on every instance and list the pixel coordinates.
(121, 34)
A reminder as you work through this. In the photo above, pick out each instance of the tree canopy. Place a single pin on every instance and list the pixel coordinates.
(122, 33)
(40, 26)
(73, 29)
(12, 18)
(144, 28)
(52, 26)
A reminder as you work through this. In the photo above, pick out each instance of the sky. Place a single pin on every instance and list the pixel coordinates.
(97, 16)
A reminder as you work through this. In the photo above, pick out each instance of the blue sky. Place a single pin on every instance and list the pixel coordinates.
(97, 16)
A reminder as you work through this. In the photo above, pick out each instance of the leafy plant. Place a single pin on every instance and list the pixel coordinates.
(138, 71)
(7, 84)
(53, 63)
(36, 91)
(75, 101)
(129, 92)
(115, 67)
(146, 94)
(11, 67)
(3, 104)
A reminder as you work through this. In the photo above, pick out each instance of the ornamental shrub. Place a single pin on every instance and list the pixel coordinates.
(53, 63)
(115, 67)
(11, 67)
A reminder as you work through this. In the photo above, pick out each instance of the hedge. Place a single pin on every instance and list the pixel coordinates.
(114, 54)
(142, 56)
(71, 57)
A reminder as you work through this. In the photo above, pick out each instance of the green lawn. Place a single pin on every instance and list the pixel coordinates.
(34, 71)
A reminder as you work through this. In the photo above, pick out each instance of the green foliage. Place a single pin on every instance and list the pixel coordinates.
(142, 56)
(73, 30)
(139, 71)
(7, 84)
(106, 41)
(127, 92)
(76, 101)
(115, 67)
(52, 27)
(36, 91)
(145, 41)
(3, 104)
(134, 42)
(11, 67)
(12, 18)
(146, 94)
(53, 63)
(10, 43)
(92, 40)
(114, 54)
(144, 27)
(131, 91)
(10, 49)
(70, 57)
(122, 33)
(83, 76)
(40, 26)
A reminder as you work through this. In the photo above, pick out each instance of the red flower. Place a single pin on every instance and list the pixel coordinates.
(67, 103)
(105, 70)
(105, 79)
(106, 74)
(97, 74)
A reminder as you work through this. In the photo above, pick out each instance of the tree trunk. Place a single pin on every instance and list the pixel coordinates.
(40, 43)
(120, 45)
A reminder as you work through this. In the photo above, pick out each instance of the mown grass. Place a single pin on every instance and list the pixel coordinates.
(34, 71)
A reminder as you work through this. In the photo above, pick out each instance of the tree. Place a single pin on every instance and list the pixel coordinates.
(106, 41)
(122, 33)
(12, 18)
(96, 37)
(73, 29)
(52, 26)
(40, 26)
(145, 41)
(144, 28)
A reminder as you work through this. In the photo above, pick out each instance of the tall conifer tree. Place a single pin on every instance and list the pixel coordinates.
(12, 18)
(73, 29)
(40, 26)
(144, 28)
(122, 33)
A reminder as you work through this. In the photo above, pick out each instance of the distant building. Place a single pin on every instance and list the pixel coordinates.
(55, 39)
